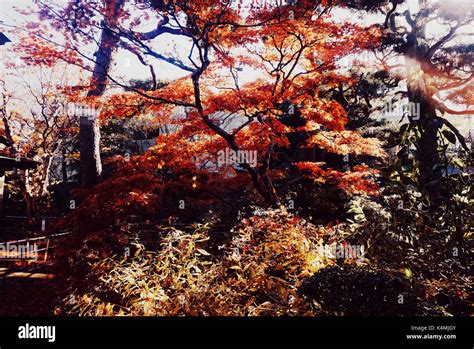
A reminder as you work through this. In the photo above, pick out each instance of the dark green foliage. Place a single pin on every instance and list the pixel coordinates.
(360, 291)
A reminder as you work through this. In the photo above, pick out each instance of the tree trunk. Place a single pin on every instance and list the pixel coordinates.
(2, 188)
(29, 199)
(89, 142)
(427, 125)
(89, 135)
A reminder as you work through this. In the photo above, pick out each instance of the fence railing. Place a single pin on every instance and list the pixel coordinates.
(43, 246)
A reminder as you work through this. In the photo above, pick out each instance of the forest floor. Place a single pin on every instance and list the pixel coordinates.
(27, 287)
(27, 293)
(35, 287)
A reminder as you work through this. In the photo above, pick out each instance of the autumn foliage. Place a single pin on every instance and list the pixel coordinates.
(179, 228)
(258, 272)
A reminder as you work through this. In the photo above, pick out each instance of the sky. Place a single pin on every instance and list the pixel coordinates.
(126, 65)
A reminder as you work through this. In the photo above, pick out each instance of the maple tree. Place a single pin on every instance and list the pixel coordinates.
(254, 158)
(293, 50)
